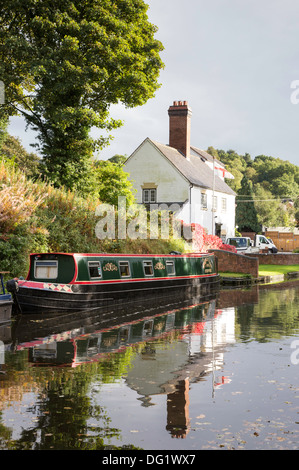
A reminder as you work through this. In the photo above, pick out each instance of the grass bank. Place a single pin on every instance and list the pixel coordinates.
(265, 270)
(237, 275)
(276, 269)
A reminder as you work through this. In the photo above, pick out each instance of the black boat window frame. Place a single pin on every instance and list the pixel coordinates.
(97, 264)
(170, 263)
(149, 264)
(124, 263)
(45, 263)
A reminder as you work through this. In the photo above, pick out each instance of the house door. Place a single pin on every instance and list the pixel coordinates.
(218, 230)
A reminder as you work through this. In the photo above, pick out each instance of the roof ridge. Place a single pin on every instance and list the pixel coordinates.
(194, 169)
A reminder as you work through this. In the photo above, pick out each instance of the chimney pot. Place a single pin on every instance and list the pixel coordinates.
(180, 127)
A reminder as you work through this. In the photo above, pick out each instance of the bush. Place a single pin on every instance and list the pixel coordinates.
(203, 242)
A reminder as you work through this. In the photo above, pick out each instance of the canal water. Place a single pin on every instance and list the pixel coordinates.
(218, 373)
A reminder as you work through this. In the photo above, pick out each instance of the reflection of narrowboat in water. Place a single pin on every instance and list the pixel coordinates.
(76, 282)
(78, 346)
(167, 352)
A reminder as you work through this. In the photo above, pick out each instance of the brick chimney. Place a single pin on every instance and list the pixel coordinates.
(180, 127)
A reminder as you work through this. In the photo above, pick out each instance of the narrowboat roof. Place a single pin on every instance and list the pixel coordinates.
(147, 255)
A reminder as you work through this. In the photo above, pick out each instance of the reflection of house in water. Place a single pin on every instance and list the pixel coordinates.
(178, 348)
(170, 368)
(178, 410)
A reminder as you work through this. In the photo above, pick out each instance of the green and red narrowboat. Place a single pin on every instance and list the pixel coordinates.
(70, 282)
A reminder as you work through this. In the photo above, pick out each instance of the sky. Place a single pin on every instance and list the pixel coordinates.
(235, 62)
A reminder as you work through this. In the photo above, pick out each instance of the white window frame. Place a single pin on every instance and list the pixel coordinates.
(203, 201)
(96, 264)
(148, 263)
(124, 263)
(46, 263)
(149, 195)
(170, 263)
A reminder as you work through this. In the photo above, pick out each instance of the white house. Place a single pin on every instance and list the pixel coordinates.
(188, 180)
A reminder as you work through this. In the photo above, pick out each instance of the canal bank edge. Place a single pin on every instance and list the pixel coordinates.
(248, 265)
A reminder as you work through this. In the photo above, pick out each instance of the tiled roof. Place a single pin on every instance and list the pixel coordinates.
(195, 170)
(206, 156)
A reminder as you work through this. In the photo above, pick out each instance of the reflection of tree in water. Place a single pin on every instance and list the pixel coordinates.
(276, 315)
(5, 435)
(64, 415)
(62, 411)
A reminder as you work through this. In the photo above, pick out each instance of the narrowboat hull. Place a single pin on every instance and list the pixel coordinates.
(84, 292)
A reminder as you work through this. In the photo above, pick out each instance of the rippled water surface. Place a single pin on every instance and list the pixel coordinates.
(215, 374)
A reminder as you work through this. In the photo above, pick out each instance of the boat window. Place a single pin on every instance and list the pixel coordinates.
(170, 267)
(148, 268)
(124, 269)
(46, 269)
(94, 268)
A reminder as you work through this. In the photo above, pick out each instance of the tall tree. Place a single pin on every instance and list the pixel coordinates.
(64, 63)
(246, 215)
(271, 212)
(235, 164)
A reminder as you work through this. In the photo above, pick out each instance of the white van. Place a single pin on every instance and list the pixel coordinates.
(246, 245)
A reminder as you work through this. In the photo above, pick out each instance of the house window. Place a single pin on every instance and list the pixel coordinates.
(223, 204)
(149, 195)
(148, 268)
(124, 269)
(94, 268)
(214, 203)
(204, 201)
(170, 268)
(46, 269)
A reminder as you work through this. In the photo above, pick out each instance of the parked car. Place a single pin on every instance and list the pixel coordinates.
(247, 245)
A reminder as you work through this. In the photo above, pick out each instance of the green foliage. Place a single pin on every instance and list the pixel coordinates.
(118, 159)
(235, 164)
(3, 129)
(112, 182)
(37, 217)
(275, 188)
(246, 214)
(270, 210)
(64, 64)
(13, 150)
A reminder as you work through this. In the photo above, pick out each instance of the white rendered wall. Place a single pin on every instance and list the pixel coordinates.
(148, 165)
